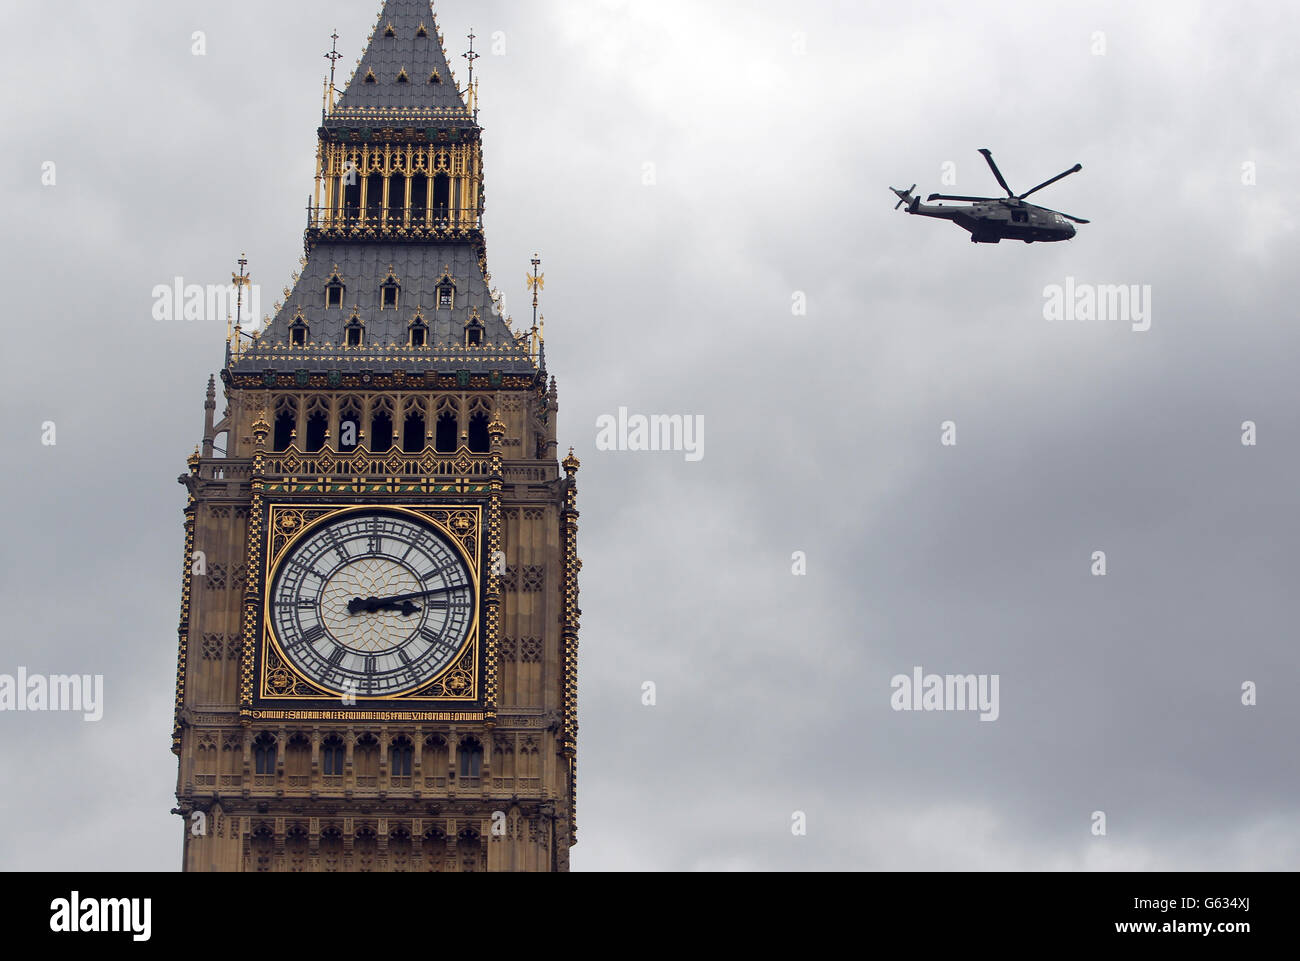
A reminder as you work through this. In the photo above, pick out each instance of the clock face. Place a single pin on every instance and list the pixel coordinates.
(372, 604)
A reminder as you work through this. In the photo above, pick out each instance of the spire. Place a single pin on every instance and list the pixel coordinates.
(404, 73)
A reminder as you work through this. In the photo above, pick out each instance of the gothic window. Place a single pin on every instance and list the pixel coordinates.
(419, 195)
(318, 422)
(446, 296)
(297, 761)
(474, 333)
(381, 428)
(479, 442)
(434, 761)
(400, 755)
(286, 422)
(264, 751)
(374, 196)
(365, 761)
(349, 425)
(413, 440)
(389, 291)
(332, 755)
(298, 333)
(470, 752)
(441, 195)
(446, 440)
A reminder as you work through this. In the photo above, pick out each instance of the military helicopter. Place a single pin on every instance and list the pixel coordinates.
(994, 219)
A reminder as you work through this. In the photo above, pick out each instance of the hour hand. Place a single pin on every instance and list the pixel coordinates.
(373, 605)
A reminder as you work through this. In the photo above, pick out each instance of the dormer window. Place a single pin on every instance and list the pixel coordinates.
(334, 291)
(389, 31)
(389, 291)
(421, 30)
(403, 77)
(474, 332)
(298, 332)
(435, 78)
(419, 334)
(370, 76)
(354, 335)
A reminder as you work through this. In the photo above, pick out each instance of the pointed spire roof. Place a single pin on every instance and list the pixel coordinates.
(403, 75)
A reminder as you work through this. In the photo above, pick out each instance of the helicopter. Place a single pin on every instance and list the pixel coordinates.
(991, 220)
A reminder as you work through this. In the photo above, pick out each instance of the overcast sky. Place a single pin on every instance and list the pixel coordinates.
(775, 131)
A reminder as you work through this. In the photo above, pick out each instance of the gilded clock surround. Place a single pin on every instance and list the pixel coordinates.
(280, 682)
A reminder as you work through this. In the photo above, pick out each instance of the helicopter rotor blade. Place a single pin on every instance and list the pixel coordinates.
(933, 197)
(988, 155)
(1047, 183)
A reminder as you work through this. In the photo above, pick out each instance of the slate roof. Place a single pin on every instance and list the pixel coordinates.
(363, 267)
(386, 57)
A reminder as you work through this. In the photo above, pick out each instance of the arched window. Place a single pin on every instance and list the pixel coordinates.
(413, 440)
(297, 761)
(447, 440)
(479, 441)
(365, 761)
(400, 756)
(332, 756)
(286, 423)
(441, 196)
(381, 431)
(318, 424)
(349, 425)
(470, 752)
(264, 753)
(419, 196)
(433, 763)
(374, 196)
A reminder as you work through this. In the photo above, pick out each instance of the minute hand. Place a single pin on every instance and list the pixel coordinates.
(372, 604)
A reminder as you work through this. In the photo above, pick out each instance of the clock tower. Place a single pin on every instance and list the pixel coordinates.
(379, 611)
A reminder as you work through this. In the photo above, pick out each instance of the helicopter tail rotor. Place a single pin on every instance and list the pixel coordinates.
(905, 197)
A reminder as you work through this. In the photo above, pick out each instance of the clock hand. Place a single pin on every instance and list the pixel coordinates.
(372, 605)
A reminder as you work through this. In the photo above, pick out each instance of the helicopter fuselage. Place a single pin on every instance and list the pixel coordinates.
(994, 221)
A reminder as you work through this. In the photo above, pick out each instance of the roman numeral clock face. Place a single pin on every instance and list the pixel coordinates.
(373, 605)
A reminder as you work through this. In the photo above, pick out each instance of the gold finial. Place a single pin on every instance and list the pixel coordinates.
(193, 461)
(260, 427)
(571, 464)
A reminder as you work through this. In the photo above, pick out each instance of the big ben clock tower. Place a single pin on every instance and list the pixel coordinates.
(379, 614)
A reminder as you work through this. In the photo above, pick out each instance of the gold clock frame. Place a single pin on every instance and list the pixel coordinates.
(458, 685)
